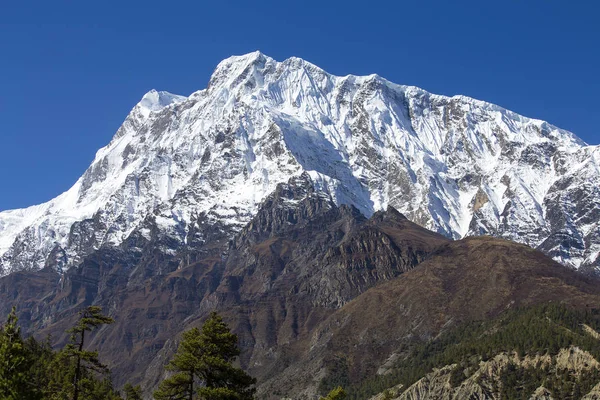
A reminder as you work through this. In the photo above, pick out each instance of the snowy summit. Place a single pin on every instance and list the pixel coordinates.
(455, 165)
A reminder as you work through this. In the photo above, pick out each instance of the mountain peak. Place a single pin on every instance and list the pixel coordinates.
(231, 68)
(157, 100)
(451, 164)
(244, 58)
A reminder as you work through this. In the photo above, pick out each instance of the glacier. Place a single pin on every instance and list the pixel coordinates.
(456, 165)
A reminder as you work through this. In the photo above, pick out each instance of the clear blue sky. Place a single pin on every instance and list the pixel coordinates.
(71, 71)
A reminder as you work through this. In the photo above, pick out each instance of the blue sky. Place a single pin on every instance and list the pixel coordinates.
(71, 71)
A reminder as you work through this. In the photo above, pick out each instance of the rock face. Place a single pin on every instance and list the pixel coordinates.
(301, 242)
(308, 286)
(594, 394)
(178, 165)
(485, 382)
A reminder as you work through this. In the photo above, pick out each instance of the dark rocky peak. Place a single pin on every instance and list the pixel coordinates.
(349, 211)
(403, 232)
(292, 204)
(389, 215)
(297, 188)
(301, 242)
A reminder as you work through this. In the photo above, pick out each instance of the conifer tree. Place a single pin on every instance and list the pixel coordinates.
(203, 366)
(15, 363)
(82, 364)
(336, 394)
(132, 392)
(42, 356)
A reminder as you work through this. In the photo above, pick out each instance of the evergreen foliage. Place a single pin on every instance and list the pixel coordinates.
(341, 377)
(534, 330)
(32, 370)
(132, 392)
(15, 363)
(203, 366)
(78, 377)
(336, 394)
(42, 355)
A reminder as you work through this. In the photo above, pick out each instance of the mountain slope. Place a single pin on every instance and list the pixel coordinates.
(455, 165)
(317, 293)
(297, 261)
(473, 279)
(537, 352)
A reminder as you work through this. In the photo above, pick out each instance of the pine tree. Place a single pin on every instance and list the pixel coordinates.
(132, 392)
(42, 355)
(387, 395)
(82, 364)
(203, 366)
(15, 363)
(336, 394)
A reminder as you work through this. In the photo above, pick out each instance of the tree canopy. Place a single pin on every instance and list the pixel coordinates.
(203, 366)
(32, 370)
(15, 363)
(336, 394)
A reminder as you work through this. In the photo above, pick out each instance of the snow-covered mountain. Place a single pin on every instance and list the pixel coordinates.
(455, 165)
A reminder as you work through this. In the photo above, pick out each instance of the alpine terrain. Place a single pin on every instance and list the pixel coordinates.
(350, 231)
(454, 165)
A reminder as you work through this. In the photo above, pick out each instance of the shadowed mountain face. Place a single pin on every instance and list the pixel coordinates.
(310, 288)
